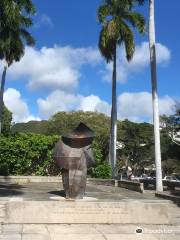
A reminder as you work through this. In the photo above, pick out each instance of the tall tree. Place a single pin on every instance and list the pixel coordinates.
(152, 47)
(117, 17)
(171, 125)
(15, 18)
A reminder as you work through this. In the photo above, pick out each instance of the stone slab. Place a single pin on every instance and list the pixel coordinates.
(10, 236)
(124, 212)
(29, 179)
(12, 228)
(35, 236)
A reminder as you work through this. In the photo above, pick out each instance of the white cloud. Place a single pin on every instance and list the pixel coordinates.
(18, 106)
(138, 106)
(134, 106)
(43, 20)
(52, 68)
(94, 103)
(166, 105)
(139, 62)
(57, 101)
(60, 67)
(61, 101)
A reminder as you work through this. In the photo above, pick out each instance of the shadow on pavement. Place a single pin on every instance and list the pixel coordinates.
(60, 193)
(10, 190)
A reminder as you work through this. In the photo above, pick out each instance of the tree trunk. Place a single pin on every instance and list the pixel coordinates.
(2, 83)
(159, 186)
(113, 137)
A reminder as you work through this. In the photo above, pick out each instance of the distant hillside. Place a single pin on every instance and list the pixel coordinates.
(39, 127)
(62, 122)
(65, 121)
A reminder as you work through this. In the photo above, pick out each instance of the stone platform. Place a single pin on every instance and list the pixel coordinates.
(124, 212)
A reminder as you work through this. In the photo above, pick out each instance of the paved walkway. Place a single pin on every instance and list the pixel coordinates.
(48, 191)
(87, 232)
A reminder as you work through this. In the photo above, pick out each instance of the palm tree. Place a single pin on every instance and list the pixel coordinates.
(117, 17)
(152, 48)
(14, 20)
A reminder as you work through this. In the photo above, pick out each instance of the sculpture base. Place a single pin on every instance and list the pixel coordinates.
(74, 183)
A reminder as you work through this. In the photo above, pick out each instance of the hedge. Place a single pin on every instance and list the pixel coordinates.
(31, 154)
(27, 154)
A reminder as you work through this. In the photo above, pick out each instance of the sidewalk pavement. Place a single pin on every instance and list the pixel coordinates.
(87, 232)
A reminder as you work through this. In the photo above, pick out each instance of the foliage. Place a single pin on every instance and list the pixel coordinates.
(31, 154)
(97, 152)
(132, 134)
(170, 141)
(137, 140)
(171, 166)
(6, 121)
(14, 21)
(27, 154)
(66, 121)
(63, 122)
(169, 149)
(116, 18)
(38, 127)
(171, 125)
(102, 171)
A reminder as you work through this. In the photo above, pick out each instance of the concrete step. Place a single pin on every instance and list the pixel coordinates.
(174, 214)
(169, 196)
(87, 232)
(76, 212)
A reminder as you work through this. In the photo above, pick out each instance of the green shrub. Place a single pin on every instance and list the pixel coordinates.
(102, 171)
(97, 152)
(31, 154)
(27, 154)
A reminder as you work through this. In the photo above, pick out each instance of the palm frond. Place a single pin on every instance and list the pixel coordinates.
(26, 5)
(15, 50)
(25, 21)
(127, 38)
(140, 2)
(136, 20)
(106, 45)
(27, 37)
(117, 17)
(14, 22)
(103, 13)
(120, 4)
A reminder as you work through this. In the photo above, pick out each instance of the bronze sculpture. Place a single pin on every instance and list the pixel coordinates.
(74, 155)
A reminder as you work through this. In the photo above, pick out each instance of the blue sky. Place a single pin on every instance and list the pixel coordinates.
(65, 71)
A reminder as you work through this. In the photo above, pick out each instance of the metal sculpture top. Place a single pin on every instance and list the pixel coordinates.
(74, 155)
